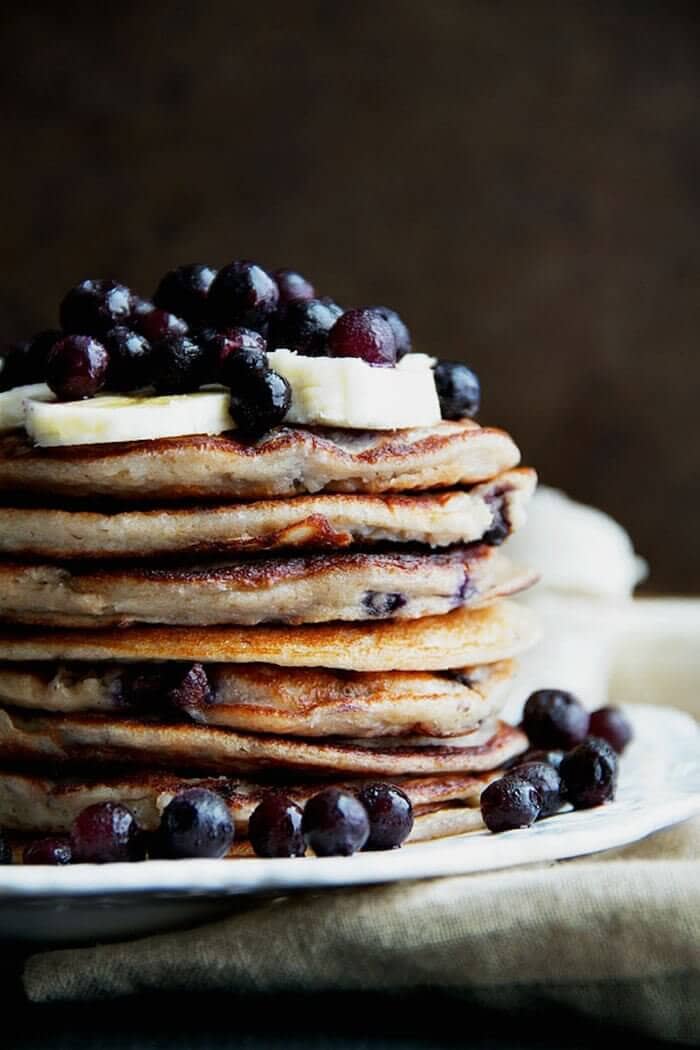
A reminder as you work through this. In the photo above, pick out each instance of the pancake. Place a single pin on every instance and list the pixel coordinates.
(261, 699)
(435, 643)
(81, 738)
(33, 804)
(438, 519)
(286, 462)
(399, 584)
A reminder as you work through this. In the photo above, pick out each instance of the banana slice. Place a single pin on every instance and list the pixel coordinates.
(12, 403)
(347, 392)
(114, 418)
(339, 392)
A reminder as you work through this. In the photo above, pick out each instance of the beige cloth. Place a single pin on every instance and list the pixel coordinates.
(613, 936)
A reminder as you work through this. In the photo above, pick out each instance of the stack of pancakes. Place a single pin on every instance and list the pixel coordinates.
(321, 607)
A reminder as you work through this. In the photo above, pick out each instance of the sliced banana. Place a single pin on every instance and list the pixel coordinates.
(115, 418)
(12, 403)
(339, 392)
(347, 392)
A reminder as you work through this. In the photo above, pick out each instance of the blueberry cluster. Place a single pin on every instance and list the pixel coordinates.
(198, 823)
(573, 759)
(185, 336)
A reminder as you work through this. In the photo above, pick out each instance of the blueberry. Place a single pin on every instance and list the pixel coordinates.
(610, 724)
(500, 526)
(186, 686)
(381, 603)
(93, 307)
(164, 689)
(364, 334)
(5, 850)
(129, 359)
(260, 404)
(196, 823)
(76, 367)
(183, 291)
(157, 325)
(139, 308)
(292, 286)
(402, 336)
(106, 832)
(243, 295)
(335, 823)
(141, 688)
(25, 363)
(245, 368)
(589, 773)
(234, 353)
(458, 389)
(54, 850)
(552, 758)
(303, 326)
(509, 803)
(332, 305)
(390, 815)
(178, 365)
(554, 719)
(547, 781)
(274, 828)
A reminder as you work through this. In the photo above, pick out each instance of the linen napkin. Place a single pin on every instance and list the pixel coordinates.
(614, 937)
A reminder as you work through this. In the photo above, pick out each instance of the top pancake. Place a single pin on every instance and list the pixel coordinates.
(287, 462)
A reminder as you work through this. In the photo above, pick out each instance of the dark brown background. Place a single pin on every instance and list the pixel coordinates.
(520, 180)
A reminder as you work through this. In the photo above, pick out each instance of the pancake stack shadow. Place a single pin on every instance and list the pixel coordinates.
(323, 607)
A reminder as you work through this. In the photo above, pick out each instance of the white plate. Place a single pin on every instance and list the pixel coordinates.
(659, 786)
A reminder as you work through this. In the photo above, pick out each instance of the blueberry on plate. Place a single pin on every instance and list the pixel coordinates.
(610, 723)
(196, 823)
(5, 851)
(390, 815)
(552, 758)
(335, 823)
(104, 833)
(589, 773)
(56, 850)
(274, 828)
(548, 782)
(555, 720)
(509, 803)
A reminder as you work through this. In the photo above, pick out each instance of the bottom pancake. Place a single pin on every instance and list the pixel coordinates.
(34, 805)
(61, 739)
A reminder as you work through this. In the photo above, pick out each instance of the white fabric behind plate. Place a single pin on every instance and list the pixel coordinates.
(588, 570)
